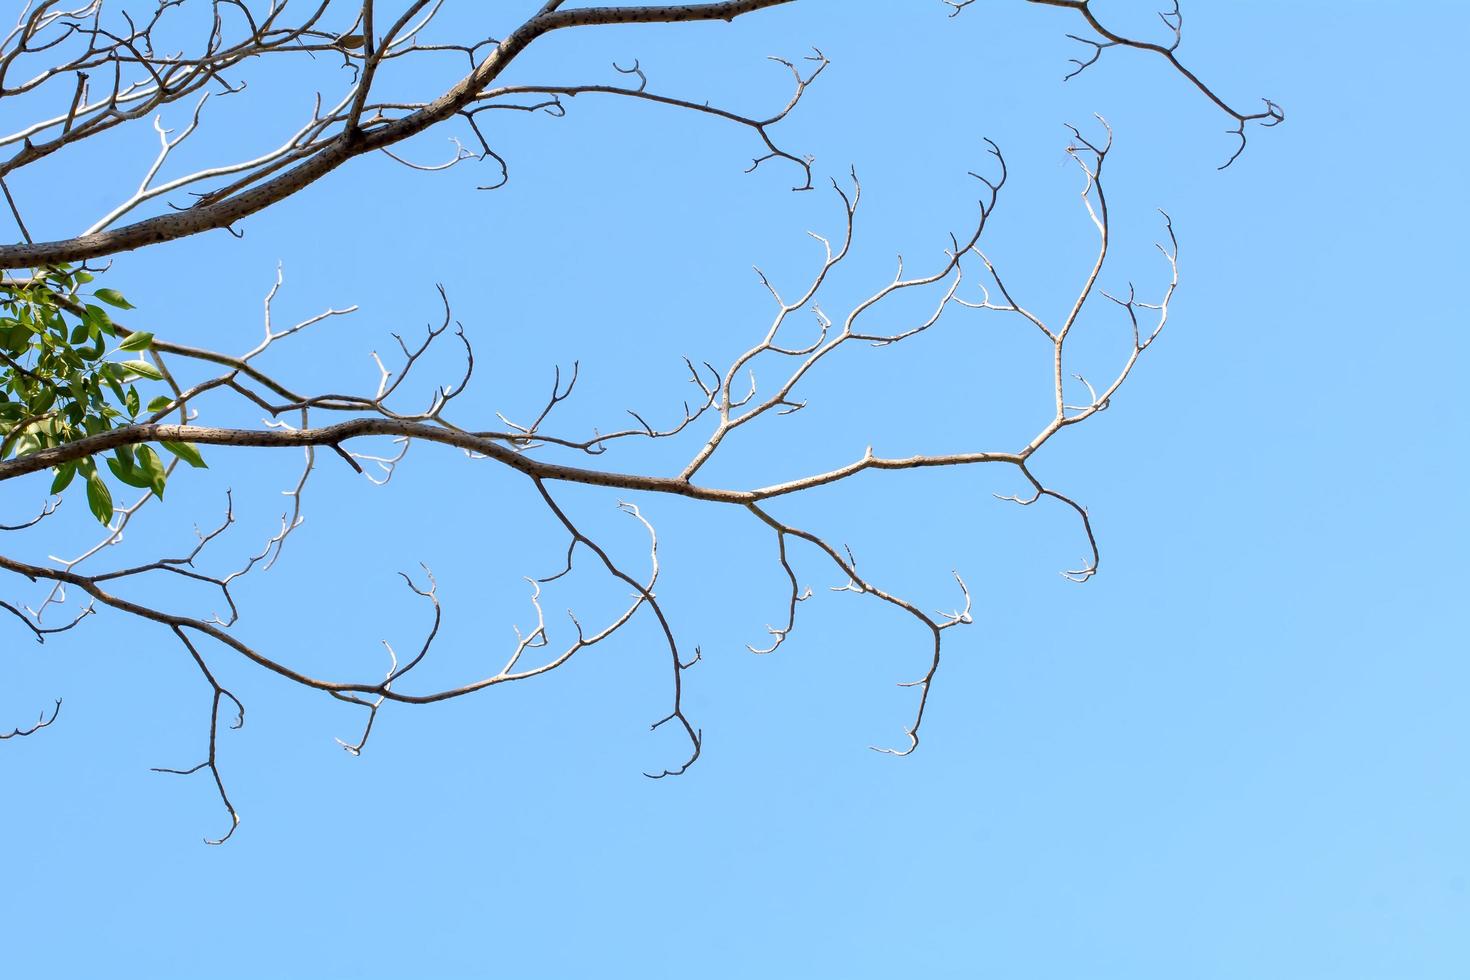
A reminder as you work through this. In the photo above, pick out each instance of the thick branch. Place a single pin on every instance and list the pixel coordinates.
(355, 142)
(491, 446)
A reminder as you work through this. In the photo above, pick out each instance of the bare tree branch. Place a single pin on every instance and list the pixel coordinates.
(320, 155)
(41, 722)
(103, 75)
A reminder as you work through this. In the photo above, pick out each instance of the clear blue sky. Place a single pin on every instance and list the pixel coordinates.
(1240, 751)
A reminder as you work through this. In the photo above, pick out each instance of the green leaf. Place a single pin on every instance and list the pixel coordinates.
(132, 402)
(151, 466)
(113, 298)
(186, 452)
(17, 336)
(64, 473)
(137, 340)
(95, 351)
(99, 498)
(116, 390)
(43, 400)
(159, 403)
(143, 368)
(132, 477)
(98, 320)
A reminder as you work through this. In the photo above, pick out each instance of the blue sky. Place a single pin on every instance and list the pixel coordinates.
(1238, 752)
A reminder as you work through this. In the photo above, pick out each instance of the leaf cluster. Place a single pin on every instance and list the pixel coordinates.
(67, 371)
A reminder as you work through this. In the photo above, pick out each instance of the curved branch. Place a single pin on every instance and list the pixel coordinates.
(1271, 115)
(41, 722)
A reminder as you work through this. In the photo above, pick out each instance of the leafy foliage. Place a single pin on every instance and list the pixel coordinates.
(59, 382)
